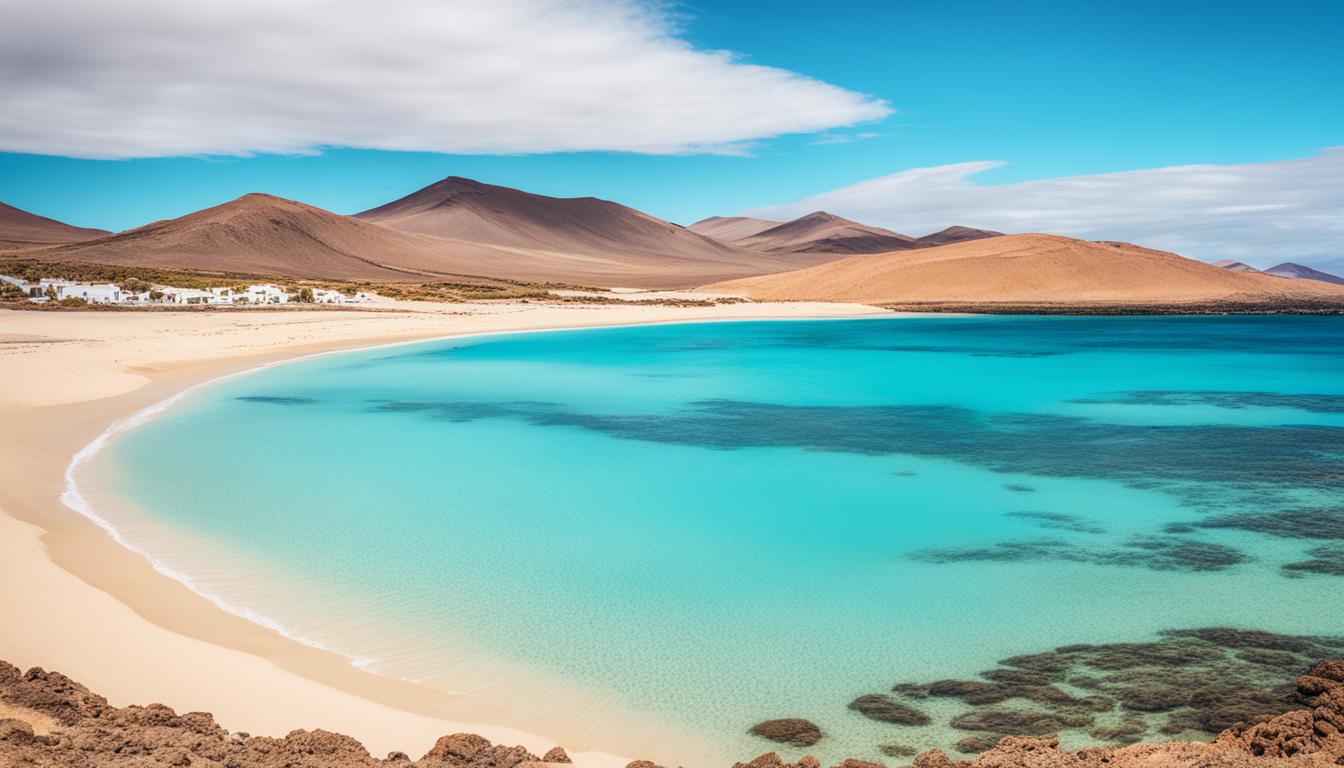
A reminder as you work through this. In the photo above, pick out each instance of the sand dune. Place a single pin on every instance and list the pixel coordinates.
(584, 239)
(730, 229)
(1289, 269)
(1031, 269)
(21, 229)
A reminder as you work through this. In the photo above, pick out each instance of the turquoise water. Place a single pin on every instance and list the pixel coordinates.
(702, 526)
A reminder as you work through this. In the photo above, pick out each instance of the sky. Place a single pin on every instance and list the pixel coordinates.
(1201, 127)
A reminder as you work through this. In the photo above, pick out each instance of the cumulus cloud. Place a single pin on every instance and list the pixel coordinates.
(147, 78)
(1260, 213)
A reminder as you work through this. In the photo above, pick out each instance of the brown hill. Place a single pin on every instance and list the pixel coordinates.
(1299, 271)
(575, 239)
(21, 229)
(730, 229)
(955, 234)
(821, 232)
(1234, 265)
(261, 234)
(1033, 269)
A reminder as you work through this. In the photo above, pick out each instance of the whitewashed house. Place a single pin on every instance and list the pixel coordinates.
(186, 296)
(31, 290)
(324, 296)
(94, 293)
(267, 294)
(223, 296)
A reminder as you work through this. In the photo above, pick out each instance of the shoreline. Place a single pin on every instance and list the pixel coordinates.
(70, 582)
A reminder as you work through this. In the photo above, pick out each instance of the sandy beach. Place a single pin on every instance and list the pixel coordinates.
(74, 600)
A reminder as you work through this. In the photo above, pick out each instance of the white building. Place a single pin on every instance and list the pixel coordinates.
(186, 296)
(324, 296)
(267, 294)
(94, 293)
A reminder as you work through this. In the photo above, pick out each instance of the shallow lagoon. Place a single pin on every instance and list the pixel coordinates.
(649, 533)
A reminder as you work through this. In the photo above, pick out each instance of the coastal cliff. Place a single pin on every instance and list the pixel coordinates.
(48, 720)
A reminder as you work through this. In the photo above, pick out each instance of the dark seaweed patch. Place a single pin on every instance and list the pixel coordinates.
(277, 399)
(1059, 521)
(879, 706)
(1154, 552)
(1327, 559)
(1253, 458)
(1303, 523)
(1228, 400)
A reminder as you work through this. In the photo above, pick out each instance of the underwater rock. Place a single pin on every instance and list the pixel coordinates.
(1017, 721)
(789, 730)
(879, 706)
(893, 749)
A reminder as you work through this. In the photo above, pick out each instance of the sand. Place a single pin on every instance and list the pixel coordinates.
(72, 599)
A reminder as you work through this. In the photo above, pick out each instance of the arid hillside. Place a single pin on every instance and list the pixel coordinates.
(21, 229)
(1033, 270)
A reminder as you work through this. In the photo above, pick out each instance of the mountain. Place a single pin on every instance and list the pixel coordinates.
(452, 229)
(1289, 269)
(1031, 269)
(821, 232)
(955, 234)
(1234, 265)
(21, 229)
(582, 239)
(261, 234)
(730, 229)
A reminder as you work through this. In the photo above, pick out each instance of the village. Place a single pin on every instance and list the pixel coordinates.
(140, 293)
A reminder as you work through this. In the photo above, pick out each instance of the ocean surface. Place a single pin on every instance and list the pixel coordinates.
(659, 536)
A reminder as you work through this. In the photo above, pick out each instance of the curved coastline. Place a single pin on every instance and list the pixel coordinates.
(73, 498)
(59, 543)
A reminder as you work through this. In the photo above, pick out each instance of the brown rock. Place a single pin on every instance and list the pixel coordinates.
(934, 758)
(789, 730)
(556, 755)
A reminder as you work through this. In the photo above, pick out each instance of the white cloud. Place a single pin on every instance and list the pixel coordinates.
(1260, 213)
(146, 78)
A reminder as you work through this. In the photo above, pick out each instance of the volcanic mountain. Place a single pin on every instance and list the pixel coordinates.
(1034, 270)
(955, 234)
(1289, 269)
(21, 229)
(469, 230)
(261, 234)
(581, 239)
(1234, 265)
(730, 229)
(821, 232)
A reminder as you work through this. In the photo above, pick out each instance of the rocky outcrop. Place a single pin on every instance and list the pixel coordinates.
(54, 722)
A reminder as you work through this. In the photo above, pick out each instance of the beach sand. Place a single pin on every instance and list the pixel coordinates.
(72, 599)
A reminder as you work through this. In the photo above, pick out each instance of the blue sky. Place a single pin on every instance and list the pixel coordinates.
(1047, 89)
